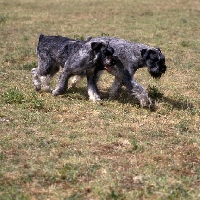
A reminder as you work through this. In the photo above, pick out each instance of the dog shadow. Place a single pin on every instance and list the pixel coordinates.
(171, 104)
(125, 98)
(180, 104)
(79, 93)
(156, 96)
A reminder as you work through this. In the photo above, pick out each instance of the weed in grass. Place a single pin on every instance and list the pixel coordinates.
(154, 134)
(185, 43)
(9, 58)
(79, 37)
(1, 156)
(134, 144)
(188, 65)
(177, 191)
(115, 195)
(92, 168)
(34, 102)
(13, 96)
(104, 34)
(11, 193)
(183, 127)
(135, 147)
(29, 66)
(3, 18)
(75, 196)
(69, 172)
(154, 92)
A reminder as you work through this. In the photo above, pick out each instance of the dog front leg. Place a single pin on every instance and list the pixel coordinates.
(92, 88)
(62, 84)
(136, 89)
(138, 92)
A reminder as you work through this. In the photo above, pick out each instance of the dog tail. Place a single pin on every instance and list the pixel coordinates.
(40, 37)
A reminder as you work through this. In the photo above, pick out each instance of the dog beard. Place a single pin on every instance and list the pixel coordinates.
(155, 72)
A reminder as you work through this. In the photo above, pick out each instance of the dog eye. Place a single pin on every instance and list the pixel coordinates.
(154, 58)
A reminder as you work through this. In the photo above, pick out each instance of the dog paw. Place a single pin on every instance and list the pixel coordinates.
(146, 102)
(37, 87)
(57, 92)
(95, 98)
(34, 71)
(93, 95)
(48, 89)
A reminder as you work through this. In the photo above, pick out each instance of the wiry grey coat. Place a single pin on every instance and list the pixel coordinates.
(75, 57)
(129, 57)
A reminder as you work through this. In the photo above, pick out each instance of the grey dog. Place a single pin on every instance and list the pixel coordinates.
(75, 57)
(129, 57)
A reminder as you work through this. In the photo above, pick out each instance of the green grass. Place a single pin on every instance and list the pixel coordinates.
(67, 147)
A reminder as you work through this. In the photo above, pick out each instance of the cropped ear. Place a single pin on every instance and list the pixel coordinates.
(145, 53)
(110, 50)
(96, 46)
(158, 49)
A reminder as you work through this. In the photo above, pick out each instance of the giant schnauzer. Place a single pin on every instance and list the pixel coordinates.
(75, 57)
(129, 57)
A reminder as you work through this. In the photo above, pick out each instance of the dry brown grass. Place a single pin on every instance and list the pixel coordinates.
(70, 148)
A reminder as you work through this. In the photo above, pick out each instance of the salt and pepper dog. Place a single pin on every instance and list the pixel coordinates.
(75, 57)
(129, 57)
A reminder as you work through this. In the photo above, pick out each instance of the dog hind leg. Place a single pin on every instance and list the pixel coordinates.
(36, 79)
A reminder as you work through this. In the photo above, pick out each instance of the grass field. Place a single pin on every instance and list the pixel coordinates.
(67, 147)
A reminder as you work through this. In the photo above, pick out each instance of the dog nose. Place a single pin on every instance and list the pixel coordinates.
(113, 62)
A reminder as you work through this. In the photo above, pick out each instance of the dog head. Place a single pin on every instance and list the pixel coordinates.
(155, 61)
(103, 55)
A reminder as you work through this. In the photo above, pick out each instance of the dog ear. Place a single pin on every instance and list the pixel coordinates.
(96, 46)
(145, 53)
(110, 50)
(158, 49)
